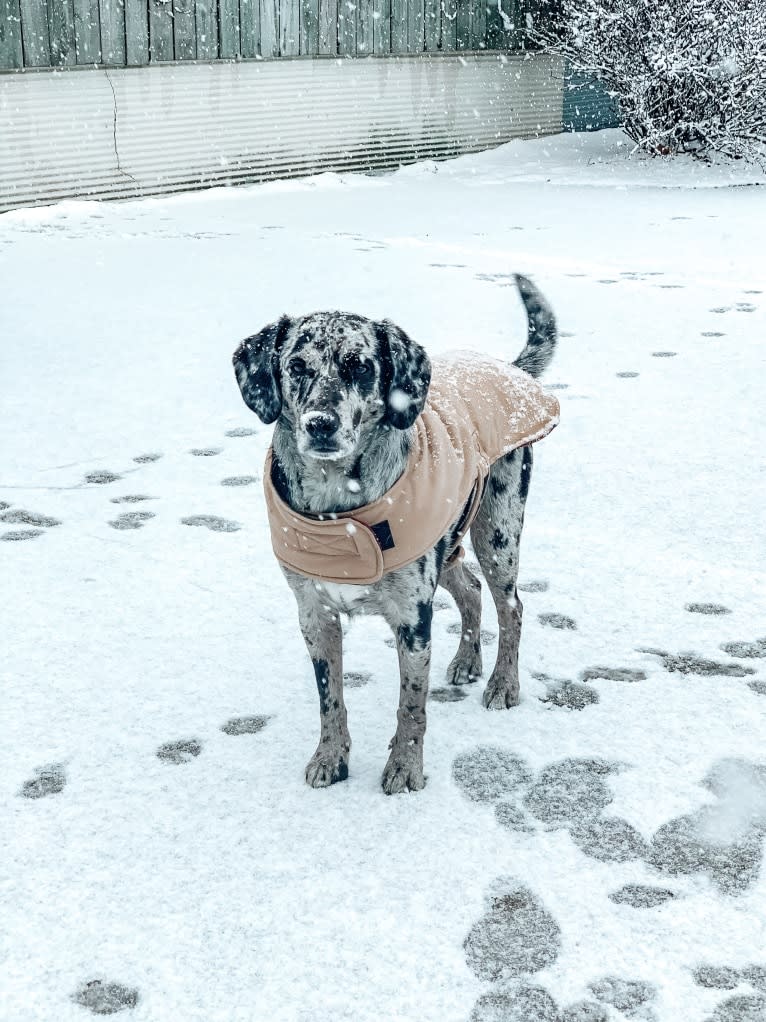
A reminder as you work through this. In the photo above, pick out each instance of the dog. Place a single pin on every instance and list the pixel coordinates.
(346, 393)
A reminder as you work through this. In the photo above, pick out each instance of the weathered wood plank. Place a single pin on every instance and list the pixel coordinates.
(504, 19)
(11, 50)
(112, 31)
(415, 26)
(432, 24)
(365, 28)
(269, 28)
(328, 26)
(87, 31)
(228, 16)
(184, 30)
(449, 25)
(310, 27)
(206, 20)
(249, 27)
(136, 32)
(479, 26)
(399, 26)
(160, 30)
(34, 33)
(289, 28)
(60, 32)
(381, 32)
(347, 11)
(463, 24)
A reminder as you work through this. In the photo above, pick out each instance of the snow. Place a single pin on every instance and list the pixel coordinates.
(211, 880)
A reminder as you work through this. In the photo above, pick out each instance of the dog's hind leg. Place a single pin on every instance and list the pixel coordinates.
(321, 629)
(465, 589)
(495, 535)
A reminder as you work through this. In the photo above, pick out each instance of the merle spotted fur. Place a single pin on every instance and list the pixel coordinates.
(344, 392)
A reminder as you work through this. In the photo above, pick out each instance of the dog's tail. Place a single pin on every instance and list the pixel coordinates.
(541, 331)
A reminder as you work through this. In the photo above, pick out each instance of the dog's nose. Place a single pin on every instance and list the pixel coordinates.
(322, 425)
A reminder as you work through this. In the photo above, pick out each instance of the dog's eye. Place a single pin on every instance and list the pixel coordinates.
(297, 367)
(360, 370)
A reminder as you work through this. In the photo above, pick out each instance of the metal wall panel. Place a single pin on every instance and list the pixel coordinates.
(587, 104)
(143, 131)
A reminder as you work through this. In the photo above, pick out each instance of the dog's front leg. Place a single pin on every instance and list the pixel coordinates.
(321, 629)
(412, 628)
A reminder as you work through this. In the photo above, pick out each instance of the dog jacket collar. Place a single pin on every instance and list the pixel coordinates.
(477, 410)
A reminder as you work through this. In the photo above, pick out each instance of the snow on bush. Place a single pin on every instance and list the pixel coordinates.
(689, 75)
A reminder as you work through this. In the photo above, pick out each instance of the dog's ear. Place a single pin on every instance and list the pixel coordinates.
(406, 375)
(256, 365)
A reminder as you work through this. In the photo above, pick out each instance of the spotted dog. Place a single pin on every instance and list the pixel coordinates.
(345, 393)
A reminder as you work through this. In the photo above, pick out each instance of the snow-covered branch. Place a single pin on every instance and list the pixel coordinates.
(689, 75)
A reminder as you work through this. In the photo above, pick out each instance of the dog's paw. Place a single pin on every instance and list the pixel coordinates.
(404, 770)
(500, 695)
(326, 767)
(464, 670)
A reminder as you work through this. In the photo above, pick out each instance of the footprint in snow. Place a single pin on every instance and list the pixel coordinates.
(746, 650)
(47, 780)
(716, 977)
(570, 696)
(627, 674)
(721, 309)
(513, 818)
(585, 1011)
(516, 935)
(146, 459)
(539, 586)
(453, 694)
(741, 1008)
(712, 609)
(626, 995)
(664, 354)
(102, 476)
(132, 520)
(355, 679)
(131, 498)
(712, 333)
(528, 1003)
(19, 535)
(745, 307)
(688, 663)
(240, 431)
(239, 481)
(609, 839)
(205, 452)
(723, 840)
(212, 522)
(488, 773)
(641, 896)
(245, 725)
(486, 636)
(560, 621)
(181, 751)
(105, 998)
(759, 687)
(570, 791)
(627, 375)
(19, 517)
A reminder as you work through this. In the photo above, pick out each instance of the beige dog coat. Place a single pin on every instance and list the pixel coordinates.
(477, 410)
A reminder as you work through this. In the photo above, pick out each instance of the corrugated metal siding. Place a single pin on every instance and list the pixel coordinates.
(587, 105)
(127, 132)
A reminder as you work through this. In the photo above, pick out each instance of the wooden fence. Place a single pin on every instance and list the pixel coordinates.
(65, 33)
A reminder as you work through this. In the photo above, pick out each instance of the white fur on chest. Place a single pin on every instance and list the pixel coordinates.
(346, 598)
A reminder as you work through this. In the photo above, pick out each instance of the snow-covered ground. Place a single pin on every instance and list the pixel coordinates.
(552, 847)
